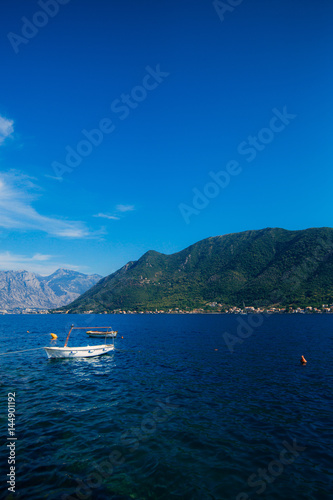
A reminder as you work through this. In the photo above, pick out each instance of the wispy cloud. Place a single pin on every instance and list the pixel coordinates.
(120, 209)
(53, 177)
(125, 208)
(6, 128)
(39, 263)
(17, 192)
(107, 216)
(41, 257)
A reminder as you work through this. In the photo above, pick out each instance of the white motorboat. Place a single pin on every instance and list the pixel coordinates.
(78, 352)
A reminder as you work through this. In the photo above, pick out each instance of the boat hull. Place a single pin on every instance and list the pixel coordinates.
(111, 335)
(78, 352)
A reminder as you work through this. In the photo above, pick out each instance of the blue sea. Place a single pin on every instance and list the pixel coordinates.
(193, 407)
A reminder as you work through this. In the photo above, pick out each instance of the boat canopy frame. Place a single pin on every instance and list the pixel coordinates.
(85, 328)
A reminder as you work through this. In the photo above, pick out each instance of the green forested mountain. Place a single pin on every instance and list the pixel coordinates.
(271, 266)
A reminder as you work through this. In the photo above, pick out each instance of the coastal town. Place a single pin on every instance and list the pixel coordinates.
(214, 308)
(210, 308)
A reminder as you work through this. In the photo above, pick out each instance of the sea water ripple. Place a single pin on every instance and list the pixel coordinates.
(180, 416)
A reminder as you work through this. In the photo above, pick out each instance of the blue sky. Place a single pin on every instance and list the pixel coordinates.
(129, 126)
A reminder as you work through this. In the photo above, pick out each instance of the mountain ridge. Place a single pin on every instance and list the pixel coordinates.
(22, 289)
(258, 267)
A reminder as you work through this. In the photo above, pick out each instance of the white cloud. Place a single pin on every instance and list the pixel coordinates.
(119, 209)
(53, 177)
(41, 257)
(125, 208)
(38, 263)
(6, 128)
(17, 192)
(107, 216)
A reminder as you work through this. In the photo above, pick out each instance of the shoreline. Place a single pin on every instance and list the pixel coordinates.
(91, 313)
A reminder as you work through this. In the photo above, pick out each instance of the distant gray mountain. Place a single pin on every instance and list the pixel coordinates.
(22, 290)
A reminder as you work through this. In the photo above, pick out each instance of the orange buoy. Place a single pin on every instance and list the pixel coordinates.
(303, 360)
(54, 336)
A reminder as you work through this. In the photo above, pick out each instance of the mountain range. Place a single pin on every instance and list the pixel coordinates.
(24, 290)
(265, 267)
